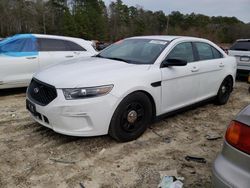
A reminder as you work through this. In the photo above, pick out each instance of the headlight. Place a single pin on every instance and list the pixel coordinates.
(81, 93)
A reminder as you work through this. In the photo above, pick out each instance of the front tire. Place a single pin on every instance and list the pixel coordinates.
(131, 118)
(224, 91)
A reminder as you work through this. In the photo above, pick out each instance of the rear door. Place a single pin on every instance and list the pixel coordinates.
(53, 51)
(18, 62)
(211, 65)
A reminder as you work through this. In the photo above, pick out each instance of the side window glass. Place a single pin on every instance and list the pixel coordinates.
(183, 51)
(204, 51)
(216, 53)
(51, 45)
(73, 46)
(19, 45)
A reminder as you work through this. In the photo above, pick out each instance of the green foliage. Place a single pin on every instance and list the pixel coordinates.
(91, 19)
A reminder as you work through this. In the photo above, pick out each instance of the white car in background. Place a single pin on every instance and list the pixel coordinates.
(24, 54)
(241, 50)
(125, 87)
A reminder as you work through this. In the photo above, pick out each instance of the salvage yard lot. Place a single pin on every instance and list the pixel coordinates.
(34, 156)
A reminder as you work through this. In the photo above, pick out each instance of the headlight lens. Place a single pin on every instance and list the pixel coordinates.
(81, 93)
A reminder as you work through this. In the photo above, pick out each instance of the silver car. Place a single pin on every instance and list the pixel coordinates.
(232, 166)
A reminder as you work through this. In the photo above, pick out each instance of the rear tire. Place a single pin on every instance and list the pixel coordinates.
(224, 91)
(131, 118)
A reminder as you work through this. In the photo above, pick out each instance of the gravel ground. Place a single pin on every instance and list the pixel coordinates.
(34, 156)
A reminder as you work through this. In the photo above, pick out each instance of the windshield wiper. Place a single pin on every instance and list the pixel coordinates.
(118, 59)
(98, 55)
(112, 58)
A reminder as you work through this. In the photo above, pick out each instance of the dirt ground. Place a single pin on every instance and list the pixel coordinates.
(34, 156)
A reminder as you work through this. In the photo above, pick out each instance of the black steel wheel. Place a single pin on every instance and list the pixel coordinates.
(224, 92)
(131, 118)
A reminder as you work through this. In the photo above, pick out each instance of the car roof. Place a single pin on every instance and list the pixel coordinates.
(54, 36)
(239, 40)
(164, 37)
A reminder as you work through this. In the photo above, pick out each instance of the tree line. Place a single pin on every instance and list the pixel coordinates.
(92, 19)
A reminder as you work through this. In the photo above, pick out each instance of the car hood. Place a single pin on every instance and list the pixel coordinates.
(88, 72)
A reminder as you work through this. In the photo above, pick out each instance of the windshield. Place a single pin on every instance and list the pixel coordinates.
(241, 46)
(135, 51)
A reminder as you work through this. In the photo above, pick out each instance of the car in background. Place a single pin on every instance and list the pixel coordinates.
(241, 50)
(231, 168)
(24, 54)
(126, 86)
(101, 45)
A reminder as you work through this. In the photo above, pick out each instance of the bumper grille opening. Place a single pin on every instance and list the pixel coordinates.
(46, 120)
(41, 93)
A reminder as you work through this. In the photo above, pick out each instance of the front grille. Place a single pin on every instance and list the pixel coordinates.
(41, 93)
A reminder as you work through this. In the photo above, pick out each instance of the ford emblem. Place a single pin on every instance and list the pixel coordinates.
(36, 90)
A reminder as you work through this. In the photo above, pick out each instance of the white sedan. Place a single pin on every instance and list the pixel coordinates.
(124, 88)
(24, 54)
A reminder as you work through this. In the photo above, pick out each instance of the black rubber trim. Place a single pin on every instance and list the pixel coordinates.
(183, 109)
(156, 84)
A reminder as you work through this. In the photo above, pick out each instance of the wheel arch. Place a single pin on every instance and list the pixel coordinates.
(150, 96)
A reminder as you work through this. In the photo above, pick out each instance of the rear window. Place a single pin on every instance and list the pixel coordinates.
(51, 45)
(74, 47)
(241, 46)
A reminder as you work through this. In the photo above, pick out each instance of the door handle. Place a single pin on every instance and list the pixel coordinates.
(69, 56)
(31, 57)
(77, 53)
(195, 69)
(221, 65)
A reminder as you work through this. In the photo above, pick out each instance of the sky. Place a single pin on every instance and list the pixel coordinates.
(237, 8)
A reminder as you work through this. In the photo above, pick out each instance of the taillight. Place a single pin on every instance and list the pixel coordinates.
(238, 135)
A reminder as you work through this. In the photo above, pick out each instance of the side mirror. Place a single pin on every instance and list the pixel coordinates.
(173, 62)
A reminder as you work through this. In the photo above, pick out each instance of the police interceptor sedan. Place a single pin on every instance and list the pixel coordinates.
(126, 86)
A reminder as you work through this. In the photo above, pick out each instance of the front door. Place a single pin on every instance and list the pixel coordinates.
(180, 84)
(18, 62)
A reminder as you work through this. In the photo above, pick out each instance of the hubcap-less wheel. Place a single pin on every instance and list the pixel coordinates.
(224, 91)
(132, 117)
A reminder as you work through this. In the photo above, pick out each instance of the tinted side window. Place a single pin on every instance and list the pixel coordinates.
(19, 45)
(204, 51)
(216, 53)
(183, 51)
(51, 45)
(241, 46)
(74, 47)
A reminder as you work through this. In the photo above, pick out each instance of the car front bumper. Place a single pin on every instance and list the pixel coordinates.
(83, 117)
(231, 169)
